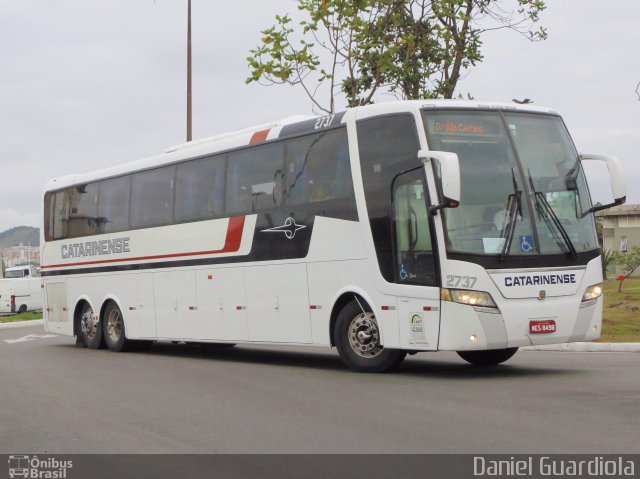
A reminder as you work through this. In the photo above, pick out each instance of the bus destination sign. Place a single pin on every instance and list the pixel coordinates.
(462, 128)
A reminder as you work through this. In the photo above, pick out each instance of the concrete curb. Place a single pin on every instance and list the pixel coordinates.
(588, 347)
(22, 324)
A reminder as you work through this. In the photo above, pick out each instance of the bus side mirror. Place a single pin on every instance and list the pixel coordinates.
(618, 184)
(449, 167)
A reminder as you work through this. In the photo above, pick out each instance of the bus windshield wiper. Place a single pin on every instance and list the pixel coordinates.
(514, 207)
(546, 211)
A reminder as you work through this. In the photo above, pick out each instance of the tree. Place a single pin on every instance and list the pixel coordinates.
(629, 261)
(411, 48)
(607, 258)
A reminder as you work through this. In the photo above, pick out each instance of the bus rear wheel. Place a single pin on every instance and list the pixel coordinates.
(490, 357)
(90, 328)
(357, 338)
(114, 333)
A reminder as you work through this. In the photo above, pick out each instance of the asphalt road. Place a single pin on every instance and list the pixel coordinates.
(58, 399)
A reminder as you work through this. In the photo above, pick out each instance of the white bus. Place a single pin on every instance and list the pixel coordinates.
(384, 230)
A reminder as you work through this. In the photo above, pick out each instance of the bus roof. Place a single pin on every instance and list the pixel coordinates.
(258, 133)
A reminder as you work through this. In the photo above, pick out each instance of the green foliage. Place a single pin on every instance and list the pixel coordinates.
(629, 261)
(412, 48)
(607, 260)
(21, 317)
(620, 314)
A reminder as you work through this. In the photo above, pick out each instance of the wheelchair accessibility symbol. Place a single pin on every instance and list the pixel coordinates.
(526, 243)
(403, 272)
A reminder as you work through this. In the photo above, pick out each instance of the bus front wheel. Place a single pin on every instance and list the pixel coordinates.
(490, 357)
(357, 338)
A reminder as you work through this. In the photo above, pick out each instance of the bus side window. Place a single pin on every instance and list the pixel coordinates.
(61, 214)
(83, 214)
(387, 145)
(113, 205)
(199, 190)
(296, 154)
(319, 175)
(254, 179)
(49, 210)
(152, 197)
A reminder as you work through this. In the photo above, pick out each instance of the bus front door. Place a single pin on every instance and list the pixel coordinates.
(415, 263)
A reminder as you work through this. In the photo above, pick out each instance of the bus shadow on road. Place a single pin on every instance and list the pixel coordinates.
(425, 365)
(318, 359)
(453, 369)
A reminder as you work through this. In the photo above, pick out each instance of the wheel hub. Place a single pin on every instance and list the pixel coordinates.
(114, 325)
(89, 324)
(364, 336)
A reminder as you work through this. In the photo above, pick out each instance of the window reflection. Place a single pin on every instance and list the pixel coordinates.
(319, 175)
(199, 190)
(152, 197)
(255, 179)
(113, 205)
(83, 212)
(309, 174)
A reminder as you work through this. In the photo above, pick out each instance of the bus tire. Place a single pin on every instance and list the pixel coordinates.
(490, 357)
(90, 328)
(113, 330)
(357, 338)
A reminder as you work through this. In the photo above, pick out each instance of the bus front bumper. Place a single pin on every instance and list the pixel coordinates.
(520, 323)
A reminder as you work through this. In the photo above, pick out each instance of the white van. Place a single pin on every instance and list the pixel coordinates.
(20, 290)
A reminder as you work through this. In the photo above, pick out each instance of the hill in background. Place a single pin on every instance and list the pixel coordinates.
(27, 235)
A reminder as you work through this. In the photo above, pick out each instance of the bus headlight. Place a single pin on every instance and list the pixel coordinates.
(480, 300)
(592, 292)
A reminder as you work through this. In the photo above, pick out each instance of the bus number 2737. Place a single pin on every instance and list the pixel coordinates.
(324, 122)
(456, 281)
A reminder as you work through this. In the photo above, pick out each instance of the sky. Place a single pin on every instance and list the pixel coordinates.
(90, 84)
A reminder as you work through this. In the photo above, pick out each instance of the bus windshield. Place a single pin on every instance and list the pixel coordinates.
(523, 191)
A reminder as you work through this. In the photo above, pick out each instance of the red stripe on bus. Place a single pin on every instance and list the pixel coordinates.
(259, 136)
(234, 234)
(231, 245)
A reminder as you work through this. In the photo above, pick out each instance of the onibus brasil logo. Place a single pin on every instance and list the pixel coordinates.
(289, 228)
(33, 467)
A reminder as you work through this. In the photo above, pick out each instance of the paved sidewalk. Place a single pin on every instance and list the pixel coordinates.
(22, 324)
(589, 347)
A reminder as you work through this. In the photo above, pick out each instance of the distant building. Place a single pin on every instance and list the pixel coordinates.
(620, 228)
(21, 254)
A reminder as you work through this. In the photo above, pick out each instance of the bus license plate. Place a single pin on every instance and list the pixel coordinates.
(542, 327)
